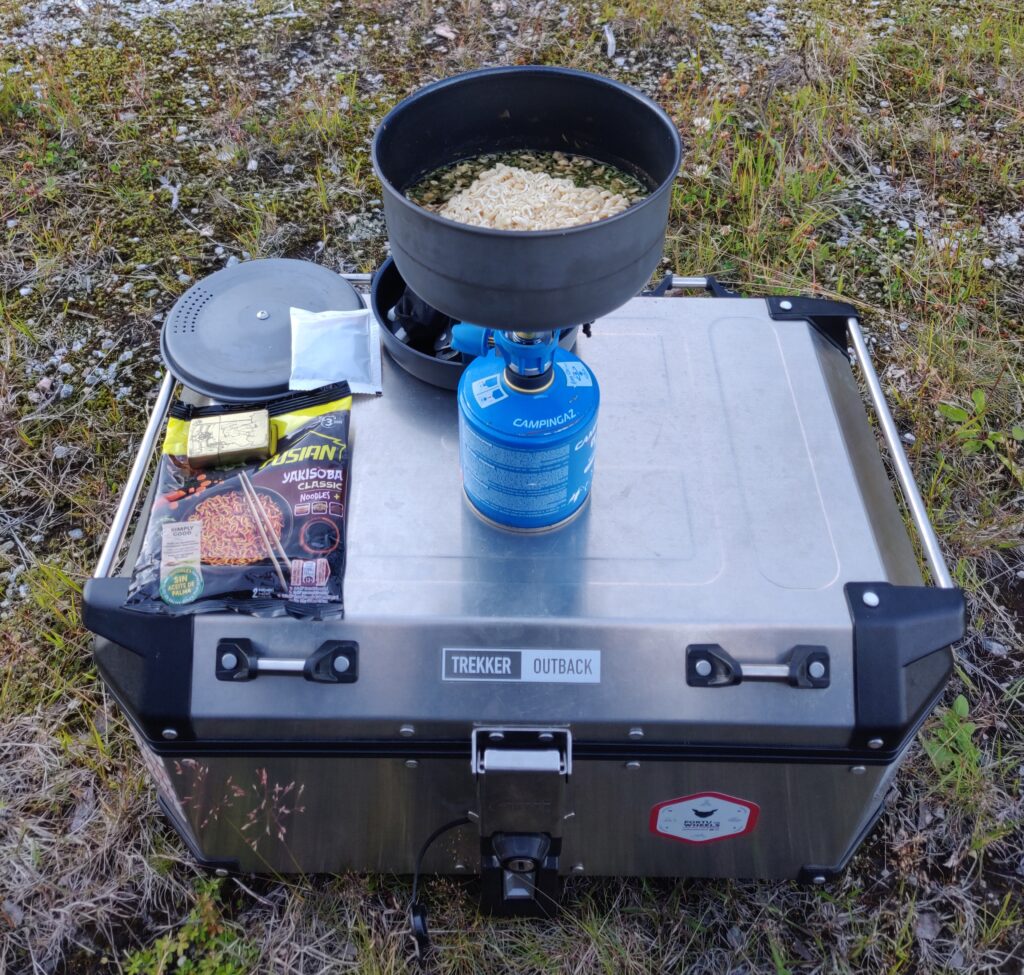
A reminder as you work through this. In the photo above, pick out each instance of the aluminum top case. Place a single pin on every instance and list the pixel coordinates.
(713, 671)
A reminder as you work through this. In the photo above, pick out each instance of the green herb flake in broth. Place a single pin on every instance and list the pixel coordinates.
(439, 186)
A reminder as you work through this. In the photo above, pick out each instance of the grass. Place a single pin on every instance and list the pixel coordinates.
(865, 152)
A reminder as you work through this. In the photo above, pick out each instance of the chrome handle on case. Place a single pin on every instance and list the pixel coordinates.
(333, 662)
(690, 284)
(136, 478)
(709, 665)
(904, 473)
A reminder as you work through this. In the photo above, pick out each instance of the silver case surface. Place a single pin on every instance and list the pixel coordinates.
(738, 487)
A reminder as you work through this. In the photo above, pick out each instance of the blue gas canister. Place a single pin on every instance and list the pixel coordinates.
(528, 454)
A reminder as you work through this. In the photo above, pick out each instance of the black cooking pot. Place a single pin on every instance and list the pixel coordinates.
(528, 280)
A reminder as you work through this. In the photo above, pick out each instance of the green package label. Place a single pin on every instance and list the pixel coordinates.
(181, 585)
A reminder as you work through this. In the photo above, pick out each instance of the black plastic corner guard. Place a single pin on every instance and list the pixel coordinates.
(901, 656)
(145, 659)
(826, 317)
(818, 875)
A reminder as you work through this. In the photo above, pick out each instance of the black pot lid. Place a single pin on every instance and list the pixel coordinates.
(229, 336)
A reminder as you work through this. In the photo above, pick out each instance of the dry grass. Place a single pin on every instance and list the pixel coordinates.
(866, 150)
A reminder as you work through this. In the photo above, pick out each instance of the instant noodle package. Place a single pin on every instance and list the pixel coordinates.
(249, 512)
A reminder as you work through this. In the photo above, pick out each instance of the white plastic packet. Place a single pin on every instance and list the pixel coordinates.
(329, 346)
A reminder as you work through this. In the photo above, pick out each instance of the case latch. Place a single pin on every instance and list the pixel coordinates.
(522, 780)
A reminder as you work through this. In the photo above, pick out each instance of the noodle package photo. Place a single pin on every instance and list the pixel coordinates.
(249, 512)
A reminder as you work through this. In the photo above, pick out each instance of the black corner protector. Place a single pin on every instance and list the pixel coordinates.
(809, 667)
(222, 867)
(144, 658)
(817, 876)
(236, 660)
(333, 662)
(827, 317)
(901, 656)
(708, 665)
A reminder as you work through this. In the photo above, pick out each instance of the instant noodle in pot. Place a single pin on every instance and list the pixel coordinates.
(262, 536)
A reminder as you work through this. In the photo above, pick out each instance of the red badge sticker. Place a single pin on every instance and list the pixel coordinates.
(704, 817)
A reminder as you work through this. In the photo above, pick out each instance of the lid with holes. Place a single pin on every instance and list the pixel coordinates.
(229, 336)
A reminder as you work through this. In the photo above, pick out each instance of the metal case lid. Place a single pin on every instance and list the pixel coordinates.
(739, 499)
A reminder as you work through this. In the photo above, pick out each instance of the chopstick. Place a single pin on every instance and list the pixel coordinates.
(273, 535)
(254, 509)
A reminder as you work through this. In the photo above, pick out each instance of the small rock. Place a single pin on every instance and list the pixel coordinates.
(904, 326)
(15, 913)
(60, 451)
(12, 223)
(231, 261)
(909, 438)
(184, 278)
(66, 391)
(609, 38)
(84, 810)
(75, 534)
(993, 647)
(927, 926)
(443, 30)
(252, 165)
(25, 291)
(903, 224)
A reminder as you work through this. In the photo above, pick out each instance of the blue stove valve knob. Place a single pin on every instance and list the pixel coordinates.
(472, 339)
